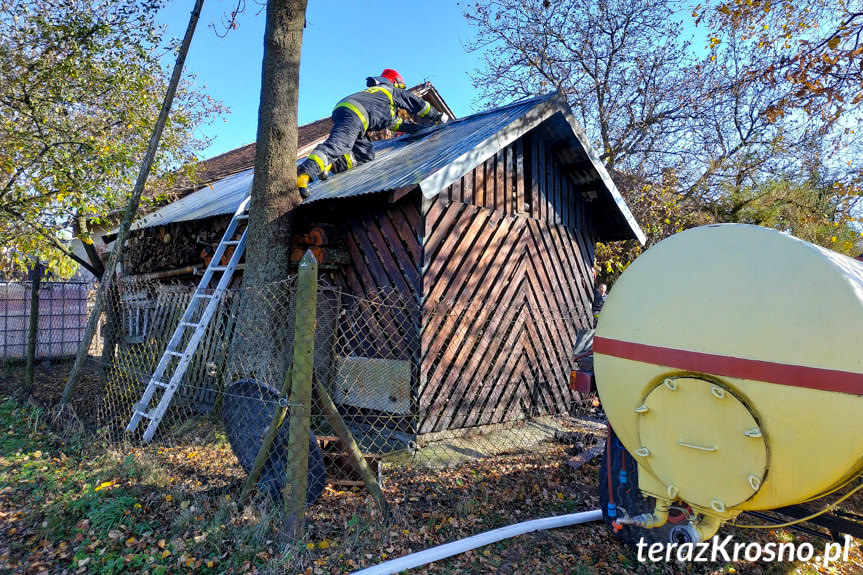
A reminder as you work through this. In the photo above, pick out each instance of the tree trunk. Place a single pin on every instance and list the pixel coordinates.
(274, 189)
(33, 334)
(111, 334)
(261, 345)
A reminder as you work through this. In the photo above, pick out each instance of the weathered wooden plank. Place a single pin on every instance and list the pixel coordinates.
(479, 185)
(518, 406)
(460, 252)
(371, 277)
(577, 271)
(351, 277)
(565, 215)
(537, 261)
(480, 282)
(386, 257)
(401, 249)
(496, 409)
(583, 278)
(433, 211)
(519, 177)
(509, 170)
(551, 188)
(542, 177)
(410, 208)
(470, 187)
(441, 264)
(558, 271)
(432, 396)
(541, 341)
(364, 281)
(580, 249)
(500, 188)
(464, 359)
(466, 366)
(458, 190)
(561, 330)
(434, 239)
(379, 275)
(504, 350)
(408, 235)
(560, 241)
(460, 287)
(551, 185)
(491, 182)
(428, 333)
(533, 180)
(550, 332)
(504, 378)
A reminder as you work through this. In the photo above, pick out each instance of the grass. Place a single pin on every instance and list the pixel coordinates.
(68, 503)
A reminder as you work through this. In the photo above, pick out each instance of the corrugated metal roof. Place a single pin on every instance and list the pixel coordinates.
(221, 197)
(410, 160)
(416, 156)
(435, 158)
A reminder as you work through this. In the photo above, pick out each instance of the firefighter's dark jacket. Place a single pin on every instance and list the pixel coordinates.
(377, 107)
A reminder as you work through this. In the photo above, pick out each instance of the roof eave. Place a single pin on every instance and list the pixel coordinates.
(433, 185)
(438, 181)
(611, 188)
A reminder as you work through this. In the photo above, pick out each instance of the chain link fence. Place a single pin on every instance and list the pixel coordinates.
(63, 311)
(394, 383)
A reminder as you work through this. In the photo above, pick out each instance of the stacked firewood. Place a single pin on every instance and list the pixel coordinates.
(173, 246)
(327, 242)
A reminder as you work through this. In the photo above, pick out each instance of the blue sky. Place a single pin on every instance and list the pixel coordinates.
(344, 41)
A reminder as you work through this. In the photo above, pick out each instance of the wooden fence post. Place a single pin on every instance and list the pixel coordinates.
(302, 371)
(34, 330)
(353, 450)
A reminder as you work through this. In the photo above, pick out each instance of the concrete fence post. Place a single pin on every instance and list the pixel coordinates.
(302, 371)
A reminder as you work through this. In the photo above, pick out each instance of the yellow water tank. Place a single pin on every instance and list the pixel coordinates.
(729, 360)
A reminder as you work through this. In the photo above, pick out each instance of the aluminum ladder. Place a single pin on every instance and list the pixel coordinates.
(182, 345)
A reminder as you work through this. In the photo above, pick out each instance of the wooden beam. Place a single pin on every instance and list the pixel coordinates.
(399, 193)
(351, 447)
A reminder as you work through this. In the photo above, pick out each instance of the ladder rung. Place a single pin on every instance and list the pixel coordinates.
(155, 415)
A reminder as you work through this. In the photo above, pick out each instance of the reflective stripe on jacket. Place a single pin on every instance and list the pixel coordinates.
(378, 106)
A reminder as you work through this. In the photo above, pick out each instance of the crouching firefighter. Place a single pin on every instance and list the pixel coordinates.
(373, 109)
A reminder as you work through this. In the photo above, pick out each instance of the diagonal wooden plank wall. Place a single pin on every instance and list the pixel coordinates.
(384, 243)
(508, 252)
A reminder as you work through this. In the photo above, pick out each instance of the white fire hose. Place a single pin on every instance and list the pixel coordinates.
(479, 540)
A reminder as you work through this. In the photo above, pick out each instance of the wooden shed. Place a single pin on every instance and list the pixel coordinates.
(465, 253)
(488, 226)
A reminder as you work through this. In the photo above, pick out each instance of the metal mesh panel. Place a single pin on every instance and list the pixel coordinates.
(430, 385)
(63, 311)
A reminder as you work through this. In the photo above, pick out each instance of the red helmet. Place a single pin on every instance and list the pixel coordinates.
(394, 77)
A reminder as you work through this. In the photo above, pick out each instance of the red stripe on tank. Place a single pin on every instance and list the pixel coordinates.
(724, 365)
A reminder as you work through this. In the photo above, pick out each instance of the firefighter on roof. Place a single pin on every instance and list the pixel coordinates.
(373, 109)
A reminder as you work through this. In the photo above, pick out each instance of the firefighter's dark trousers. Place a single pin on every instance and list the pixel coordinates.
(346, 146)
